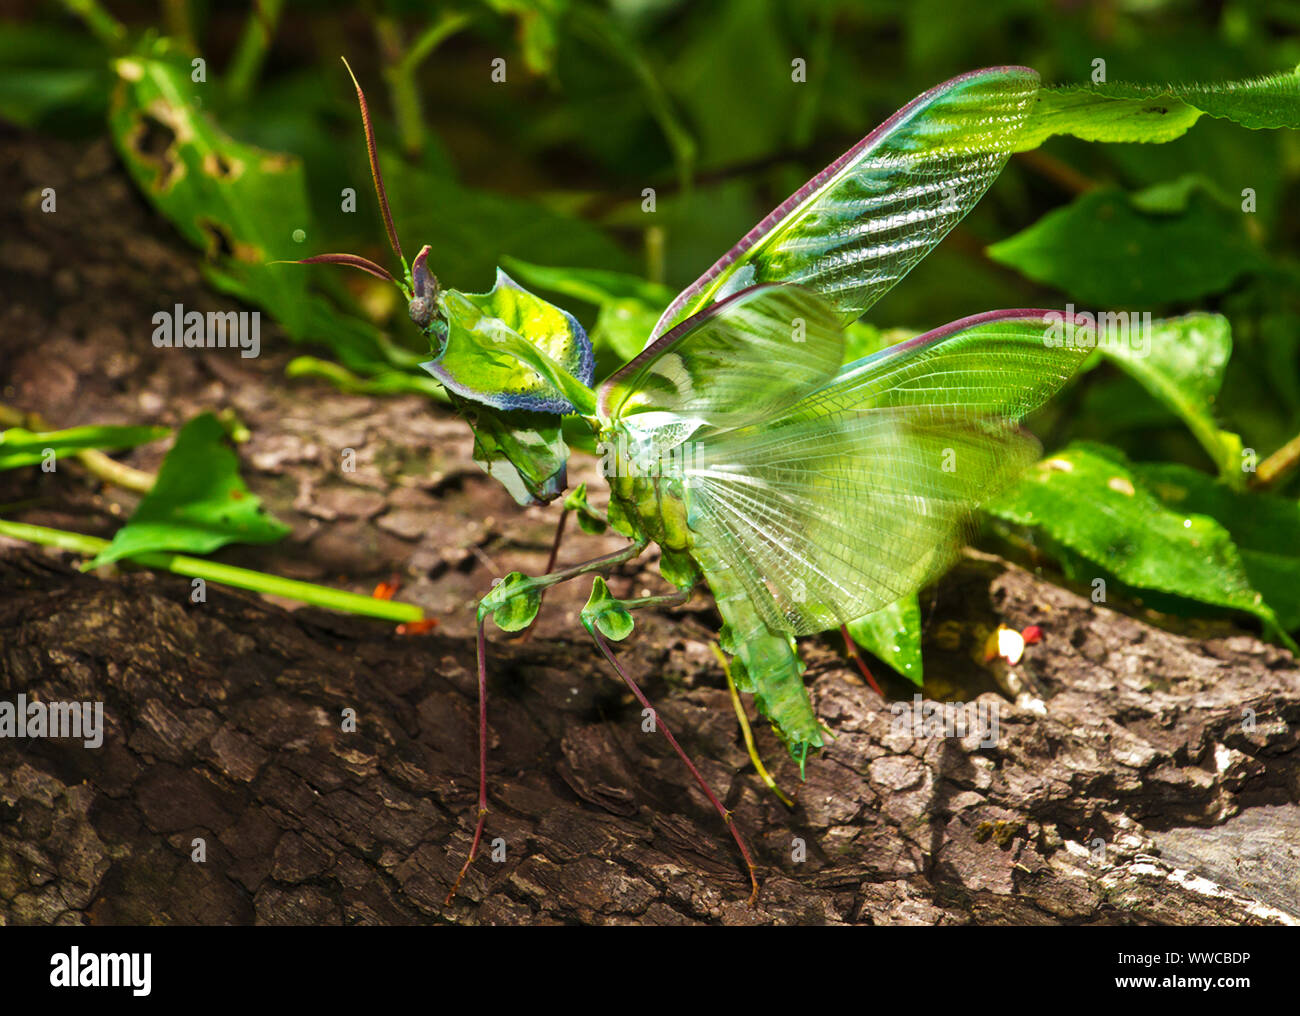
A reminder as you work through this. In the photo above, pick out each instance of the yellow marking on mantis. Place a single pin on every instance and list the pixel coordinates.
(744, 728)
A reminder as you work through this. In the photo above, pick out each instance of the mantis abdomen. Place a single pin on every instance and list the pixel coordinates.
(767, 664)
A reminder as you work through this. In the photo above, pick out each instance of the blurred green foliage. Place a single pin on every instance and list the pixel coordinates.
(632, 142)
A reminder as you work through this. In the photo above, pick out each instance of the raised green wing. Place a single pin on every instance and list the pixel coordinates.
(864, 490)
(745, 358)
(865, 221)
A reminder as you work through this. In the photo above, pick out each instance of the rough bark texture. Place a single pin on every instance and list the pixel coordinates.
(1139, 776)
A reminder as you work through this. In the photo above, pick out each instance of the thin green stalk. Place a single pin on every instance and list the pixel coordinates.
(102, 25)
(432, 37)
(1279, 464)
(810, 95)
(96, 462)
(223, 574)
(745, 730)
(250, 54)
(179, 23)
(400, 65)
(601, 30)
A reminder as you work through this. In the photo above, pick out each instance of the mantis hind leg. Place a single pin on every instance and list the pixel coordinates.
(540, 582)
(603, 646)
(482, 760)
(851, 647)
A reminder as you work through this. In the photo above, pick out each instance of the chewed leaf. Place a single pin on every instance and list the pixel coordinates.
(239, 203)
(509, 349)
(606, 613)
(513, 602)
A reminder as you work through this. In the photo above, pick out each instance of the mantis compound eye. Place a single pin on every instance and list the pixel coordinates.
(421, 311)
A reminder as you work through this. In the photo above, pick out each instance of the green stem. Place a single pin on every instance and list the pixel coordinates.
(96, 462)
(179, 23)
(246, 64)
(601, 30)
(223, 574)
(400, 67)
(1279, 464)
(745, 730)
(103, 26)
(432, 37)
(663, 600)
(811, 92)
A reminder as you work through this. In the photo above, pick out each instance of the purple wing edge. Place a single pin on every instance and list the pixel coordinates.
(784, 208)
(671, 336)
(960, 325)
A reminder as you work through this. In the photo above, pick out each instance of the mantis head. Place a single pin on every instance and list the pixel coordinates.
(512, 364)
(418, 284)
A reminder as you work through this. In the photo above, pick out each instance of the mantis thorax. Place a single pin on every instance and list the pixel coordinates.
(647, 484)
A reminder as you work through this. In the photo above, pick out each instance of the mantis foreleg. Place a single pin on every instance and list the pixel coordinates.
(540, 582)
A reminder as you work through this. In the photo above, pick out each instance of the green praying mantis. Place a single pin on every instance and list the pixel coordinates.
(802, 491)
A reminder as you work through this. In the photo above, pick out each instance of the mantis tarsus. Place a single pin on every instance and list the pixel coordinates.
(804, 492)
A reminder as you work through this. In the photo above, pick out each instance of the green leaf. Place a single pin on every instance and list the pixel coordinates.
(1157, 113)
(51, 77)
(524, 451)
(382, 382)
(606, 613)
(893, 635)
(1265, 528)
(513, 602)
(197, 504)
(22, 447)
(239, 203)
(1093, 115)
(509, 350)
(1092, 500)
(538, 28)
(596, 286)
(1181, 364)
(590, 520)
(1102, 250)
(862, 340)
